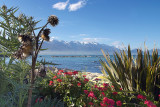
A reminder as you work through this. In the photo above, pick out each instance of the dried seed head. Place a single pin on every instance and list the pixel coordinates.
(45, 35)
(23, 52)
(25, 39)
(4, 7)
(53, 20)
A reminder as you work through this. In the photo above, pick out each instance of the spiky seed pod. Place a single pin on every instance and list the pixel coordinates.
(53, 20)
(4, 7)
(25, 39)
(45, 35)
(27, 50)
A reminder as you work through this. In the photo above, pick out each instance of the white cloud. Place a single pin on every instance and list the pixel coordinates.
(76, 6)
(61, 5)
(99, 40)
(118, 44)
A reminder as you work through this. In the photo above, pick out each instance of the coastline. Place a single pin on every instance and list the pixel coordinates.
(89, 75)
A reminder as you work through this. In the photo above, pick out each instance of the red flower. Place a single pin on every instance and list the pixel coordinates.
(59, 73)
(97, 79)
(54, 77)
(38, 100)
(141, 97)
(78, 84)
(68, 73)
(112, 86)
(159, 95)
(100, 88)
(86, 80)
(103, 93)
(119, 103)
(91, 94)
(115, 93)
(120, 88)
(105, 85)
(75, 72)
(86, 91)
(103, 104)
(59, 80)
(50, 82)
(108, 101)
(149, 103)
(90, 103)
(95, 86)
(84, 75)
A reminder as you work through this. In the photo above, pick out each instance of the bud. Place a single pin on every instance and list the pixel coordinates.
(45, 34)
(4, 7)
(53, 20)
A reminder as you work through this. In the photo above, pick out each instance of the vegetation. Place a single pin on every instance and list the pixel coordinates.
(133, 81)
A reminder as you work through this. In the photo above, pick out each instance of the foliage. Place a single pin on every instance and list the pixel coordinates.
(11, 26)
(74, 89)
(141, 74)
(14, 90)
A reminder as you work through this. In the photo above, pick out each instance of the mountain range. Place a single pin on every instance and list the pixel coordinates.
(58, 47)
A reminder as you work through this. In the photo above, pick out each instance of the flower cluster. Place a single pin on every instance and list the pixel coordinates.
(76, 88)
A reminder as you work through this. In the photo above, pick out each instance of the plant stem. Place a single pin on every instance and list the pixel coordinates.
(34, 59)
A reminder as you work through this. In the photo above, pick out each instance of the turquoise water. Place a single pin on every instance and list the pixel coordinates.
(88, 64)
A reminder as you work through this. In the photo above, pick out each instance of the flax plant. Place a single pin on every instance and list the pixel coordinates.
(134, 74)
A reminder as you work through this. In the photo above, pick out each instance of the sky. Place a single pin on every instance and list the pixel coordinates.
(112, 22)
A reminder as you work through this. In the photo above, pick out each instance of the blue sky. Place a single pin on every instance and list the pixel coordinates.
(111, 22)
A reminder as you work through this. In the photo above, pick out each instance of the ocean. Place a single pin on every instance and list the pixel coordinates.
(88, 63)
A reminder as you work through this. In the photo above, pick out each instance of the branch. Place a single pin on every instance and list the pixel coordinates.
(39, 48)
(37, 38)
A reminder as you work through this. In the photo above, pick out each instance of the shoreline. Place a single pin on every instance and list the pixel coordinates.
(89, 75)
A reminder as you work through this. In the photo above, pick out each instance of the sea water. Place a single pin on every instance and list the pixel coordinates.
(89, 63)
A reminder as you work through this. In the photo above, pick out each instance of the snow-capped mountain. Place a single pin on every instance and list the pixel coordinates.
(75, 47)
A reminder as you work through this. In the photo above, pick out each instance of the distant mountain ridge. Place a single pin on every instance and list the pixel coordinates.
(60, 47)
(77, 48)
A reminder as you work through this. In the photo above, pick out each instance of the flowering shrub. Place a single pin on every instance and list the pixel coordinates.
(76, 90)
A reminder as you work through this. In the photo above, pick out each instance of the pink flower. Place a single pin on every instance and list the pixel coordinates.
(86, 91)
(105, 85)
(50, 82)
(159, 95)
(149, 103)
(112, 86)
(100, 88)
(115, 93)
(103, 104)
(119, 103)
(108, 101)
(103, 93)
(54, 77)
(59, 80)
(91, 94)
(75, 72)
(78, 84)
(141, 97)
(95, 86)
(86, 80)
(90, 103)
(120, 88)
